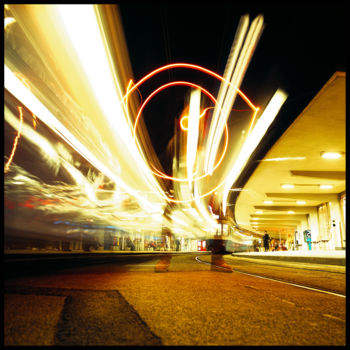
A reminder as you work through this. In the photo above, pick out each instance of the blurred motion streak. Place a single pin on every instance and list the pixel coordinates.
(235, 69)
(69, 68)
(253, 140)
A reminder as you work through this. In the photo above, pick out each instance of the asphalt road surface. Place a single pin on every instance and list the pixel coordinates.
(125, 302)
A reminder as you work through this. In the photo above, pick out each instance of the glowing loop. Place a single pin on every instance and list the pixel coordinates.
(131, 88)
(185, 83)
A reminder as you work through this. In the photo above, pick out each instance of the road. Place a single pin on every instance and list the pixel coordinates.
(126, 303)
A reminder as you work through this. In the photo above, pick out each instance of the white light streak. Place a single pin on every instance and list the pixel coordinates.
(192, 132)
(253, 140)
(235, 72)
(23, 94)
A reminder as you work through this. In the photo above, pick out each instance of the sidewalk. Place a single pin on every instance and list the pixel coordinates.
(328, 257)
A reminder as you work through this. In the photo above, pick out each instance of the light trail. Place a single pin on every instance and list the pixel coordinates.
(234, 74)
(190, 66)
(15, 86)
(192, 133)
(252, 141)
(7, 166)
(90, 107)
(142, 107)
(185, 117)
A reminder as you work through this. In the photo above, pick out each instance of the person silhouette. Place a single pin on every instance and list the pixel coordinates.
(266, 239)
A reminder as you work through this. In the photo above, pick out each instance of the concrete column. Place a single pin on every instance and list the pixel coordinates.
(336, 240)
(313, 225)
(303, 226)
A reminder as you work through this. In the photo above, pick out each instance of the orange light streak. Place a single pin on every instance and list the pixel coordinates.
(27, 85)
(185, 83)
(186, 117)
(34, 121)
(7, 166)
(191, 66)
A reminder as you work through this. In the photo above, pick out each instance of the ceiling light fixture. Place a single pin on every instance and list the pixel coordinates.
(287, 186)
(331, 155)
(325, 187)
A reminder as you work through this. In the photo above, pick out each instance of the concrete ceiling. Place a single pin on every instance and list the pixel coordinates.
(320, 127)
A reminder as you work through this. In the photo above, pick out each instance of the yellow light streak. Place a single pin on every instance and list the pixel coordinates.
(235, 72)
(95, 60)
(20, 91)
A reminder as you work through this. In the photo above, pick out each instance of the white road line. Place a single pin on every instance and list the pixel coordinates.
(276, 280)
(138, 265)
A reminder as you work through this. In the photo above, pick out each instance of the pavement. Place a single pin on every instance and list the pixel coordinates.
(327, 257)
(196, 306)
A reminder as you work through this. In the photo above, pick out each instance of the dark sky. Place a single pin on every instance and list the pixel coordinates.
(302, 45)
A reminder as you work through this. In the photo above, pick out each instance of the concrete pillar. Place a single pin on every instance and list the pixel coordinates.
(313, 225)
(336, 241)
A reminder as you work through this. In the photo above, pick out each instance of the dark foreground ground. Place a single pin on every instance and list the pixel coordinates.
(127, 303)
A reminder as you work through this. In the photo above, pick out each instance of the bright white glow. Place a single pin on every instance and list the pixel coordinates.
(192, 131)
(287, 186)
(259, 212)
(280, 159)
(253, 140)
(290, 212)
(179, 221)
(8, 21)
(80, 179)
(325, 187)
(95, 61)
(268, 202)
(331, 155)
(203, 209)
(301, 202)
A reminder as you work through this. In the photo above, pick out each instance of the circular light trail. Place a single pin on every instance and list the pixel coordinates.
(131, 88)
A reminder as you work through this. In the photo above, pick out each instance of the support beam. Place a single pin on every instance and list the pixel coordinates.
(322, 197)
(329, 175)
(297, 209)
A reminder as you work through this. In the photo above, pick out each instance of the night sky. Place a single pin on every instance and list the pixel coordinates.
(303, 43)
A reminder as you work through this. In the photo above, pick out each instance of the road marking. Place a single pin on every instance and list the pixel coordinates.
(333, 317)
(280, 281)
(292, 284)
(138, 265)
